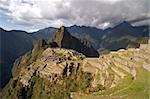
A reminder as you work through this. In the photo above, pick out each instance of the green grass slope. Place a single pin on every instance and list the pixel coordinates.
(132, 85)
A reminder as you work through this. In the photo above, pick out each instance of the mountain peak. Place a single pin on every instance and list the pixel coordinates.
(62, 27)
(65, 40)
(125, 23)
(1, 29)
(59, 35)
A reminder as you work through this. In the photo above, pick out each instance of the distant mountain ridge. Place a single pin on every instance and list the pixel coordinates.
(15, 43)
(12, 45)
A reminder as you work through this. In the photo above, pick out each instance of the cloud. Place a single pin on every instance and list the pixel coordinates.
(98, 13)
(109, 1)
(139, 19)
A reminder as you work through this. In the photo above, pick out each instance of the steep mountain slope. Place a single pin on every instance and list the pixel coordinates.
(91, 34)
(65, 40)
(35, 74)
(62, 73)
(123, 35)
(13, 44)
(45, 33)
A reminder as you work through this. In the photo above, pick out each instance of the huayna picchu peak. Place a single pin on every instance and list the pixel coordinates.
(65, 40)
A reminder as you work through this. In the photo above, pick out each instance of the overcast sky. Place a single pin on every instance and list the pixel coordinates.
(31, 15)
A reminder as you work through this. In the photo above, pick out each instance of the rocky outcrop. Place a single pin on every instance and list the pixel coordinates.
(65, 40)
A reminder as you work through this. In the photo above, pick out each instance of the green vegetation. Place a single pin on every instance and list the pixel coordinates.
(127, 88)
(103, 51)
(27, 59)
(42, 88)
(12, 90)
(133, 45)
(139, 88)
(143, 40)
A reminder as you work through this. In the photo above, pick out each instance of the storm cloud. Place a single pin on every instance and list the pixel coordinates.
(35, 14)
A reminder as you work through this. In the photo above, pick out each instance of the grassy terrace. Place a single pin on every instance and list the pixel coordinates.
(127, 88)
(139, 88)
(133, 61)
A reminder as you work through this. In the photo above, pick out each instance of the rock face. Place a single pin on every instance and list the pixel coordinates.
(65, 40)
